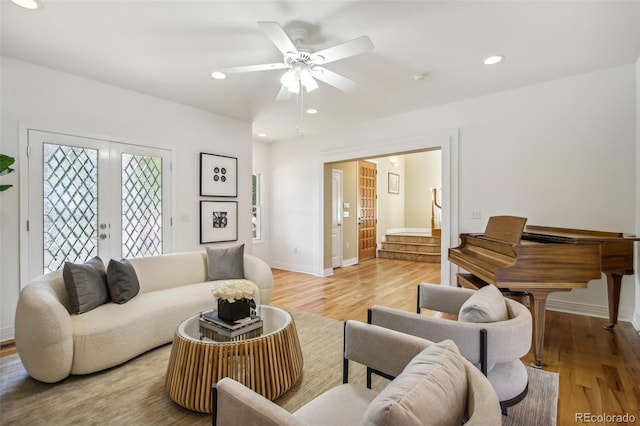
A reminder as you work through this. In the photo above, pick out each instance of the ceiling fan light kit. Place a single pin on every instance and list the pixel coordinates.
(302, 64)
(492, 60)
(27, 4)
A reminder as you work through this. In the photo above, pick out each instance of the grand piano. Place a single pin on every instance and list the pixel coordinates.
(539, 260)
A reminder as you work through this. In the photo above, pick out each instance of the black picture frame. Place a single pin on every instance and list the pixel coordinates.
(218, 221)
(218, 175)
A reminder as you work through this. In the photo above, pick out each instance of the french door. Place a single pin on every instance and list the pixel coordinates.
(92, 197)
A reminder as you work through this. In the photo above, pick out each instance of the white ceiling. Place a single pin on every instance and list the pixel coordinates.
(168, 49)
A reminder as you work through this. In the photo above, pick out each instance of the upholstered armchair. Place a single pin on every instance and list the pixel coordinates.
(432, 385)
(491, 331)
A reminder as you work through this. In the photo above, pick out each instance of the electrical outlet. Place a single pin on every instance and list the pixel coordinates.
(475, 214)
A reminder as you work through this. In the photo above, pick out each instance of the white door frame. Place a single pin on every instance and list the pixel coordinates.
(25, 177)
(447, 141)
(337, 218)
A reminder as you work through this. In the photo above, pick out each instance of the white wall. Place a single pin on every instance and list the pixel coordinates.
(423, 173)
(49, 98)
(261, 165)
(636, 316)
(391, 207)
(561, 153)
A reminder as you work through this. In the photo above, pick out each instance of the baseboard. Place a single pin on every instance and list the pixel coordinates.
(350, 262)
(636, 321)
(300, 268)
(598, 311)
(7, 333)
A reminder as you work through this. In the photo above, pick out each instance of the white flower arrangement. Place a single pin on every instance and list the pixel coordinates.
(234, 290)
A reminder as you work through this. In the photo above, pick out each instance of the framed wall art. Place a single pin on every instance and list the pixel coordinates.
(218, 221)
(218, 175)
(394, 183)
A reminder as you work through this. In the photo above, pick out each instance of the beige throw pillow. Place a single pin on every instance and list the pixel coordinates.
(431, 390)
(485, 305)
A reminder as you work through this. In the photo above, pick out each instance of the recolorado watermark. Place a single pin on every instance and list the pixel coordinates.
(605, 418)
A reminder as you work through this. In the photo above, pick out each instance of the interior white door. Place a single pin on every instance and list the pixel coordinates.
(92, 197)
(336, 218)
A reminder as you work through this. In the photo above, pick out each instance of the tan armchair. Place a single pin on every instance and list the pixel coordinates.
(494, 347)
(433, 385)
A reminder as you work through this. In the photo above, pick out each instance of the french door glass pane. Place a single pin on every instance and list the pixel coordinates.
(141, 205)
(70, 205)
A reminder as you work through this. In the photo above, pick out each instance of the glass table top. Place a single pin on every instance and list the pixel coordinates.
(273, 320)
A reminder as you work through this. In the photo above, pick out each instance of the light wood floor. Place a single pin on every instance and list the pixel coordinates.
(599, 369)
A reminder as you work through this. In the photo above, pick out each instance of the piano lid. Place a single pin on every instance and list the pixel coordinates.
(575, 235)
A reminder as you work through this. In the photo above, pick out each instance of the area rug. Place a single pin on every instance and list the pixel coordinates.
(133, 393)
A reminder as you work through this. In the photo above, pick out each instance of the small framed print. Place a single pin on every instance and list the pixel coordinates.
(394, 183)
(218, 175)
(218, 221)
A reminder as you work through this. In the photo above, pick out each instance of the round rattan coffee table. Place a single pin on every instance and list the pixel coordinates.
(269, 363)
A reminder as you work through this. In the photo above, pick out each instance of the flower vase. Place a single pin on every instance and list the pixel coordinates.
(233, 311)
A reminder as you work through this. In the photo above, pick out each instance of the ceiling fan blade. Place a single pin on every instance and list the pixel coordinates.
(344, 50)
(276, 34)
(284, 94)
(333, 79)
(251, 68)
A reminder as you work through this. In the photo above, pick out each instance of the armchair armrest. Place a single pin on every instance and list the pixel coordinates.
(441, 298)
(483, 407)
(465, 335)
(507, 340)
(380, 349)
(234, 404)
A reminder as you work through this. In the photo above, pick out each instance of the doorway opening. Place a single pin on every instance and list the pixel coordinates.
(386, 209)
(386, 155)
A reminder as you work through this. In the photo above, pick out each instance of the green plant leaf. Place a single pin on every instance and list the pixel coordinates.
(6, 162)
(5, 187)
(6, 171)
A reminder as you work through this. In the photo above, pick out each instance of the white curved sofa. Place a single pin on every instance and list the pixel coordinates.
(52, 343)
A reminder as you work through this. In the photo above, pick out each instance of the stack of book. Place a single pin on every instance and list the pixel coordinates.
(213, 327)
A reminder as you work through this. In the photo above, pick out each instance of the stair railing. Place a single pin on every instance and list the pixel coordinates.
(436, 212)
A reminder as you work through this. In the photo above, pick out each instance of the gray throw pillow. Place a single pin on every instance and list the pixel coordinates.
(86, 285)
(226, 263)
(484, 305)
(122, 280)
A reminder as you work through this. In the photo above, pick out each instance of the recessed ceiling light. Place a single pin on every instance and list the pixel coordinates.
(262, 135)
(27, 4)
(218, 75)
(492, 60)
(312, 111)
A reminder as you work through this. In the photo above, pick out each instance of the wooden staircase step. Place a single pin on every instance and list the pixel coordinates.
(412, 238)
(414, 247)
(411, 247)
(409, 255)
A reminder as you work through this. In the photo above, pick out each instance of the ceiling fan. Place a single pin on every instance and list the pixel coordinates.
(303, 66)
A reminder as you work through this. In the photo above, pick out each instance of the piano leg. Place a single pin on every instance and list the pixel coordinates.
(538, 306)
(614, 283)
